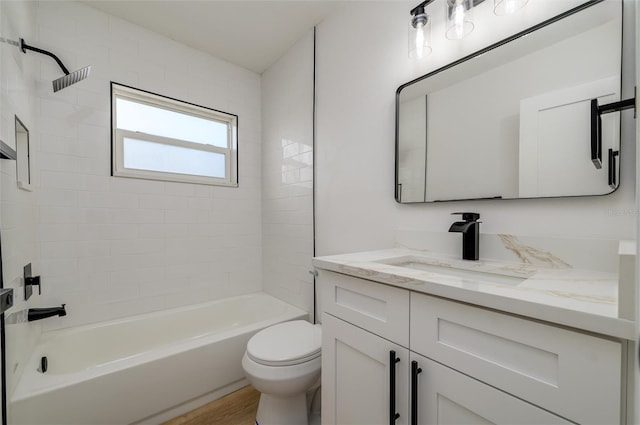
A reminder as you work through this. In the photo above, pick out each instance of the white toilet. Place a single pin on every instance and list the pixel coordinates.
(283, 362)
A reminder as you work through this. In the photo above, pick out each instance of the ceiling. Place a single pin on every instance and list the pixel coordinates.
(251, 34)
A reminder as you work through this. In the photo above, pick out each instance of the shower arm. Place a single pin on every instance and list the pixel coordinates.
(24, 47)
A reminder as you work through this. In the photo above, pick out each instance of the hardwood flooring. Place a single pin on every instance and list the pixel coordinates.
(237, 408)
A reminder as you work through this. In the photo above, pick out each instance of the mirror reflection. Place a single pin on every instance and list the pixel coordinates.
(514, 121)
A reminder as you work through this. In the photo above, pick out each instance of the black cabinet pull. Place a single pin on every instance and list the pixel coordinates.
(612, 168)
(415, 370)
(393, 415)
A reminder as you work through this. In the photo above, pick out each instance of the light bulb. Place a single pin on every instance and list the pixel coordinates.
(459, 19)
(507, 7)
(419, 35)
(419, 44)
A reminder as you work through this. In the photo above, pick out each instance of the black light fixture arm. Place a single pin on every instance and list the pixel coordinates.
(24, 47)
(415, 10)
(422, 5)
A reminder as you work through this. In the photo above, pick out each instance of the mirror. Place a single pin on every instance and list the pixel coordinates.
(514, 120)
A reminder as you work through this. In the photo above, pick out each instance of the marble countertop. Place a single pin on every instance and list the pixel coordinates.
(582, 299)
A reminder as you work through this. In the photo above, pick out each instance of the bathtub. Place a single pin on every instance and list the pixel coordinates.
(146, 368)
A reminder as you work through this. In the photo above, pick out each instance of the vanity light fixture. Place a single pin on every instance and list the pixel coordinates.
(420, 32)
(458, 19)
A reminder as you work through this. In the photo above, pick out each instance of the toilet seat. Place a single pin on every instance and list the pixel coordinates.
(285, 344)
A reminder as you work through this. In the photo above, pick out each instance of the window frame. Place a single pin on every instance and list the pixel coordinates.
(120, 91)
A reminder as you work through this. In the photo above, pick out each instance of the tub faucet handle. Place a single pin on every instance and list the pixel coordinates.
(33, 281)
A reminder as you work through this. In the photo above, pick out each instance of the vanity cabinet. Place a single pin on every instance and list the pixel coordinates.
(477, 365)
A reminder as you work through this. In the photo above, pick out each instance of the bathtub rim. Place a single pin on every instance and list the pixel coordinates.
(33, 383)
(46, 335)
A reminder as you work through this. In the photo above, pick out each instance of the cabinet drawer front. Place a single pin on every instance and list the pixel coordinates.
(575, 375)
(381, 309)
(449, 397)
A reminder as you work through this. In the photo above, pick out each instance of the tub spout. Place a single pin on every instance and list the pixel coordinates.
(43, 313)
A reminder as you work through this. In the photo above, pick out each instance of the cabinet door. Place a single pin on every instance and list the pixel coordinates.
(357, 373)
(447, 397)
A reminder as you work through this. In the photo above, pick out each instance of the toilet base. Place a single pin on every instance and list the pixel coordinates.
(282, 410)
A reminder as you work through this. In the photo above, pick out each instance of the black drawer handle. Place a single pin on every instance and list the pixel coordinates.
(612, 168)
(393, 415)
(415, 370)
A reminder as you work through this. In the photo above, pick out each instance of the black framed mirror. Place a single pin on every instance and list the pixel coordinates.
(513, 120)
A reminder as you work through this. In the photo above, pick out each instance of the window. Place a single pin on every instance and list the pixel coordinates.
(156, 137)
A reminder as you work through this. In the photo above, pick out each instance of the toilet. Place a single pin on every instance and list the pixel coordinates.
(283, 363)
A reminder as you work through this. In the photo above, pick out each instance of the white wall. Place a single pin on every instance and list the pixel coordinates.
(112, 247)
(358, 72)
(287, 175)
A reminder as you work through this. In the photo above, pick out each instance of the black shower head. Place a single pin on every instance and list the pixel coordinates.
(69, 78)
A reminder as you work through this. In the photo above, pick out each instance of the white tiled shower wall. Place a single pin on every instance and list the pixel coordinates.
(18, 208)
(111, 247)
(287, 175)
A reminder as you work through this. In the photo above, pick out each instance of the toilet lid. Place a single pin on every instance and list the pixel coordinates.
(285, 344)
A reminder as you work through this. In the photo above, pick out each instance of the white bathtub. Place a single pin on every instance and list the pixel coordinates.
(145, 368)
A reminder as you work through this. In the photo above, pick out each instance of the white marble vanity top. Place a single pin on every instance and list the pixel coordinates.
(582, 299)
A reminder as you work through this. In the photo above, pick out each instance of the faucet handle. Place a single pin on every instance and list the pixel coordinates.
(468, 216)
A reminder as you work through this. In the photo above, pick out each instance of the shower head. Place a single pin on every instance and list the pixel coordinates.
(69, 77)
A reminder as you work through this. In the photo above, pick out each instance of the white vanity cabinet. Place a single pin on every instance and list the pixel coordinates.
(477, 365)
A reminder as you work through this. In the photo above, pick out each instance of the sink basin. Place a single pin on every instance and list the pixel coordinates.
(476, 275)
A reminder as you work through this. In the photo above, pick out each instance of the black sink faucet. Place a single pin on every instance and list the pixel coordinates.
(43, 313)
(470, 229)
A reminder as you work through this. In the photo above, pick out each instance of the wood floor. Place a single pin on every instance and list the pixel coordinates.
(237, 408)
